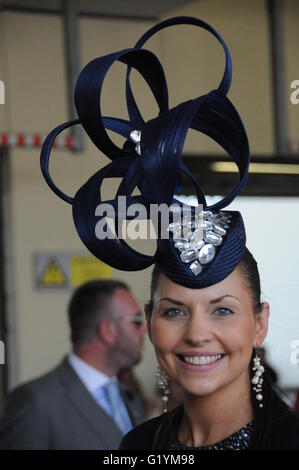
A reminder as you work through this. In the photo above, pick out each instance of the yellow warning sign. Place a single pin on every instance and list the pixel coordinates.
(87, 268)
(53, 275)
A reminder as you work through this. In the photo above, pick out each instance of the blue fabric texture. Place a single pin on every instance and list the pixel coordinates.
(158, 171)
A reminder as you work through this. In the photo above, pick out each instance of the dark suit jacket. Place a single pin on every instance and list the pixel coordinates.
(153, 434)
(57, 411)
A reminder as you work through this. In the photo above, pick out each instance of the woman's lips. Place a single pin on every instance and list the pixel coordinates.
(200, 367)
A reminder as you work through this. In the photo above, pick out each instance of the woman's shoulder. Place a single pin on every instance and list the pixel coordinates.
(285, 432)
(142, 437)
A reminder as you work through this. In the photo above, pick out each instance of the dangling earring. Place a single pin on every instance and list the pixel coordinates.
(257, 379)
(163, 382)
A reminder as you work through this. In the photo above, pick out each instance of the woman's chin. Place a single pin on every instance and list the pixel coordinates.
(198, 389)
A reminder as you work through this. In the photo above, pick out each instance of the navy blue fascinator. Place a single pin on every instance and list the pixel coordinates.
(196, 248)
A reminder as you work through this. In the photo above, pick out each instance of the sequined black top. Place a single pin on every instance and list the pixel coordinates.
(237, 441)
(160, 433)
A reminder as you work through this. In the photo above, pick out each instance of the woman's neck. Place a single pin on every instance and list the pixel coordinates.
(211, 418)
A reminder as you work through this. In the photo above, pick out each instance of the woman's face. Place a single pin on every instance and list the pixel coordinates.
(203, 338)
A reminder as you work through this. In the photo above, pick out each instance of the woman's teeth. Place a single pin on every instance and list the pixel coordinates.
(202, 359)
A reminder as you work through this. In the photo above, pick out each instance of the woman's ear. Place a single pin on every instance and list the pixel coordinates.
(262, 319)
(148, 321)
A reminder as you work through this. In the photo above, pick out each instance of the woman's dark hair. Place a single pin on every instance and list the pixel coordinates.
(273, 406)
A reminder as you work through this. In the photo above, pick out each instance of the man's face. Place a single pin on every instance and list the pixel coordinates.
(130, 338)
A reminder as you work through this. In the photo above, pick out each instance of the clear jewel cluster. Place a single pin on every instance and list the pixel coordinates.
(135, 136)
(257, 380)
(197, 240)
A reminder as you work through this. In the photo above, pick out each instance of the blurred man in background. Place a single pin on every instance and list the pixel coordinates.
(81, 404)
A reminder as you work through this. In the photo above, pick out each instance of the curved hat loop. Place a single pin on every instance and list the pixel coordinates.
(89, 87)
(227, 110)
(225, 83)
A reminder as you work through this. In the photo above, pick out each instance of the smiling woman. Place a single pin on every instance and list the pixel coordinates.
(206, 341)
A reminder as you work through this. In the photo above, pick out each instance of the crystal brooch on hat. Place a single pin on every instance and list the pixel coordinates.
(197, 240)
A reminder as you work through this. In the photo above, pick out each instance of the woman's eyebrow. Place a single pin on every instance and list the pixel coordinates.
(173, 301)
(214, 301)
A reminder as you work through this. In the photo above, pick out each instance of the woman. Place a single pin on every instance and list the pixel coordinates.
(224, 324)
(205, 318)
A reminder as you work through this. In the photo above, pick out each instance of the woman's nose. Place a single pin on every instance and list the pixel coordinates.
(198, 331)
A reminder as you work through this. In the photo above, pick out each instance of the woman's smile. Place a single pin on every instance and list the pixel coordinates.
(203, 362)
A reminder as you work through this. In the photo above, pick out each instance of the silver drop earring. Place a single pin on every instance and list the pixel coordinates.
(257, 379)
(163, 382)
